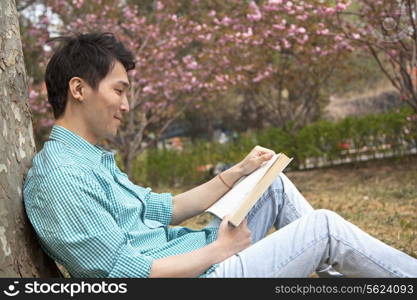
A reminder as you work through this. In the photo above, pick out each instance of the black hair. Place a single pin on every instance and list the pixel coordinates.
(90, 56)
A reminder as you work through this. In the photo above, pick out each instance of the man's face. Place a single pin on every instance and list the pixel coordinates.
(105, 107)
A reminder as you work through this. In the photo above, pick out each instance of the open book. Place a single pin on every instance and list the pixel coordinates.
(247, 190)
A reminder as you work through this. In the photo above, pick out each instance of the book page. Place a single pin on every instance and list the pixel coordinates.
(240, 190)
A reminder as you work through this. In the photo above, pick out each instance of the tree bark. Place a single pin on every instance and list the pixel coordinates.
(20, 253)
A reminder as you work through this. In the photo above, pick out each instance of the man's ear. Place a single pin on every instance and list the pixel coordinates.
(76, 88)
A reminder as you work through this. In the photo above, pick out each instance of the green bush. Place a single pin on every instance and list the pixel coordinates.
(322, 139)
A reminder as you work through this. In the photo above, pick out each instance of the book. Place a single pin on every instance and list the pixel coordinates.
(243, 195)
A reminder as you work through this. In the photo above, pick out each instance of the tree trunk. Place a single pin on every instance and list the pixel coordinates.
(20, 254)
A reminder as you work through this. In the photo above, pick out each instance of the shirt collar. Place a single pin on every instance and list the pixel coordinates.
(71, 139)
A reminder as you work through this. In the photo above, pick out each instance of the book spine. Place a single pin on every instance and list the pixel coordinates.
(259, 189)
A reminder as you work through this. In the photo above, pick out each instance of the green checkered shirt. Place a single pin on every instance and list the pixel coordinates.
(93, 220)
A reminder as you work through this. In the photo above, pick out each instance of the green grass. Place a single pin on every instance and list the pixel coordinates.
(380, 197)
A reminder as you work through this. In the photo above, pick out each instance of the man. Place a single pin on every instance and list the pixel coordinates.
(95, 222)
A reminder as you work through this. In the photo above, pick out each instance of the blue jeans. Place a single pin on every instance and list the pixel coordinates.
(309, 241)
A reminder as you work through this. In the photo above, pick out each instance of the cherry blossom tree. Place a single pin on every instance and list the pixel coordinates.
(387, 30)
(191, 52)
(286, 52)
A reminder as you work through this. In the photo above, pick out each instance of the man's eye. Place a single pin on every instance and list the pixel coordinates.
(119, 91)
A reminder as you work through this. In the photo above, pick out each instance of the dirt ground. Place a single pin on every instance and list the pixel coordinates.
(378, 196)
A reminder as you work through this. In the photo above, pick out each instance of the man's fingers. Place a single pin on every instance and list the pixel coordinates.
(264, 157)
(244, 223)
(226, 218)
(267, 156)
(263, 153)
(263, 150)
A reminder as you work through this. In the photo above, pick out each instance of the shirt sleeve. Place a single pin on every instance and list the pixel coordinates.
(71, 215)
(159, 207)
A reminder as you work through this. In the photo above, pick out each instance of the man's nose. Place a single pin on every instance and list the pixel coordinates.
(125, 104)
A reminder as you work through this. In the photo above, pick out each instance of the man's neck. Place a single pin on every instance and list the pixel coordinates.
(78, 129)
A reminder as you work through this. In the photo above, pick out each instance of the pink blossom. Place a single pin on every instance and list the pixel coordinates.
(289, 4)
(247, 34)
(301, 30)
(219, 78)
(91, 18)
(128, 13)
(279, 26)
(286, 43)
(46, 122)
(226, 21)
(341, 6)
(78, 3)
(148, 89)
(159, 5)
(329, 11)
(303, 40)
(255, 14)
(192, 65)
(257, 78)
(302, 17)
(323, 32)
(33, 94)
(277, 48)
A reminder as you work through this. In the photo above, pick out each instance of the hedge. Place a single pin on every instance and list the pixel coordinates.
(323, 139)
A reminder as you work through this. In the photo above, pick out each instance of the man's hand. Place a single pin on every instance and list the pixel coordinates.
(230, 240)
(254, 159)
(233, 239)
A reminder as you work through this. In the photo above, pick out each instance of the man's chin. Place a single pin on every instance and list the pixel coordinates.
(115, 132)
(111, 134)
